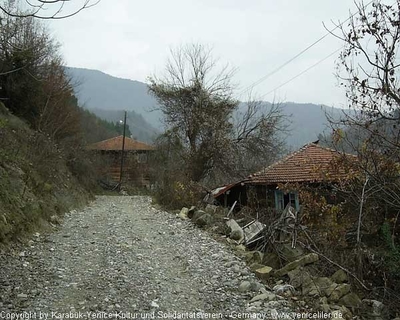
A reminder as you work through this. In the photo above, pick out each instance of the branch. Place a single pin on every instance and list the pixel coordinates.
(38, 8)
(336, 264)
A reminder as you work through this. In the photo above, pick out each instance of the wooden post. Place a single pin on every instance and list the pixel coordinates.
(122, 152)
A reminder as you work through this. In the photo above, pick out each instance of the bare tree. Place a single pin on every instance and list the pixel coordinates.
(26, 48)
(196, 100)
(46, 9)
(196, 97)
(259, 138)
(369, 70)
(33, 82)
(58, 115)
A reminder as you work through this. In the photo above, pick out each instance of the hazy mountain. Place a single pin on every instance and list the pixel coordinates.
(107, 96)
(307, 121)
(140, 128)
(304, 121)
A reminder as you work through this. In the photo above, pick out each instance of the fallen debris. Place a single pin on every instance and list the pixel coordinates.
(307, 259)
(252, 231)
(236, 232)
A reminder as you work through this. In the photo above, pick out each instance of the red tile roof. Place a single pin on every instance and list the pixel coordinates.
(115, 144)
(311, 163)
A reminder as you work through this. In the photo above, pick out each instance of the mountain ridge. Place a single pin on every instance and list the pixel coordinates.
(107, 96)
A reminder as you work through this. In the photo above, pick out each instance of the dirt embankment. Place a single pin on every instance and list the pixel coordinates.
(36, 185)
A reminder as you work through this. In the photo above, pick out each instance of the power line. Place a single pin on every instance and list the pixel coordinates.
(262, 79)
(281, 66)
(301, 73)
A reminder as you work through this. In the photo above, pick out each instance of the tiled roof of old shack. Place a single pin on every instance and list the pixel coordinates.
(311, 163)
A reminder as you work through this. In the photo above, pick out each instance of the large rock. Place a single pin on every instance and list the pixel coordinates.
(236, 232)
(272, 259)
(264, 272)
(341, 312)
(197, 214)
(184, 213)
(309, 287)
(375, 308)
(290, 254)
(264, 297)
(255, 286)
(244, 286)
(340, 291)
(307, 259)
(324, 308)
(322, 305)
(298, 276)
(339, 276)
(210, 208)
(204, 220)
(256, 266)
(331, 288)
(350, 300)
(317, 286)
(254, 257)
(323, 284)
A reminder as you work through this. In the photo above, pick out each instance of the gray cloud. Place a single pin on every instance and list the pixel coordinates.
(131, 39)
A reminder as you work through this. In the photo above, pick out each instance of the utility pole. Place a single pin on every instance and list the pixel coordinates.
(122, 152)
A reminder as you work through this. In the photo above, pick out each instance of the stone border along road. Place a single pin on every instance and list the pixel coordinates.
(122, 255)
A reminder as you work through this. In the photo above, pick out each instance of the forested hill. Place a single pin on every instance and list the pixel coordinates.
(307, 121)
(107, 96)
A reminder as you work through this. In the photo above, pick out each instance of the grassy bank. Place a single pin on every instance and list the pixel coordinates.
(36, 185)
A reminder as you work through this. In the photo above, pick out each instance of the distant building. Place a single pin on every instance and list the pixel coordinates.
(136, 154)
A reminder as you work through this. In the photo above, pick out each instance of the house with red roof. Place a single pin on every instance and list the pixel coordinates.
(135, 162)
(312, 165)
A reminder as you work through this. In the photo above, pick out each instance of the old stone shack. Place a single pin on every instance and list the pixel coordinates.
(311, 165)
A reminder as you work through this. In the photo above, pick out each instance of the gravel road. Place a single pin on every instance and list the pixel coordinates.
(123, 257)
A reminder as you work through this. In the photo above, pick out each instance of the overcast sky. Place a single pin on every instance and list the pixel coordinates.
(131, 39)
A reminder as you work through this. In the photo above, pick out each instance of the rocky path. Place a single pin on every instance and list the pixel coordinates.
(122, 257)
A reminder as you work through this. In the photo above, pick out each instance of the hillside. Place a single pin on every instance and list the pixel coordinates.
(107, 96)
(307, 121)
(37, 185)
(140, 128)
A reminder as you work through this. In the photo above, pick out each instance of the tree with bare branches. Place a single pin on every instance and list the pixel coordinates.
(26, 49)
(46, 9)
(33, 82)
(195, 96)
(369, 70)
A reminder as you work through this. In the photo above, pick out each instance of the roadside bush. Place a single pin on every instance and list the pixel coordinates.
(175, 193)
(83, 165)
(392, 252)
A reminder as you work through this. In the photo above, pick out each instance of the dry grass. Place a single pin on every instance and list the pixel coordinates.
(35, 182)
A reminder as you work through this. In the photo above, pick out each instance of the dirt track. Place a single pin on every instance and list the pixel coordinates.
(122, 256)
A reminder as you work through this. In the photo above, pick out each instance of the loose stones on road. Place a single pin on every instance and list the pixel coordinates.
(121, 254)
